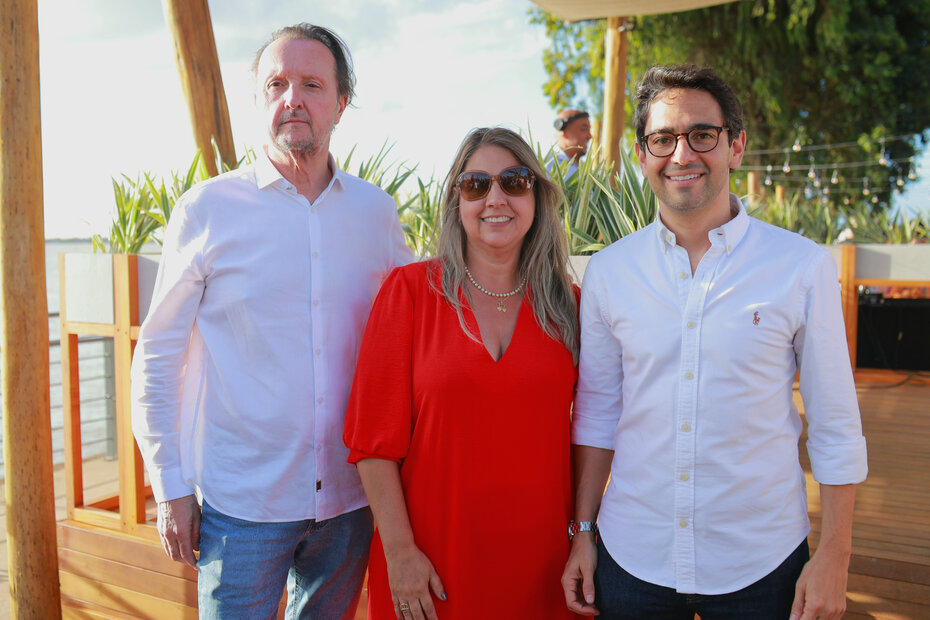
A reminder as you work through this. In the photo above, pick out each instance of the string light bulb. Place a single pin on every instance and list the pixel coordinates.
(787, 167)
(797, 145)
(865, 187)
(836, 175)
(882, 160)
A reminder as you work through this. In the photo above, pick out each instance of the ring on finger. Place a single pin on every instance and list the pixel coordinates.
(404, 607)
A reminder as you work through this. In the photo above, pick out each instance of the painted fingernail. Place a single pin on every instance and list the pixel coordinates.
(589, 598)
(443, 597)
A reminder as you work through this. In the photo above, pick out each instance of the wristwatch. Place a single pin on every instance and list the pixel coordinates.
(581, 526)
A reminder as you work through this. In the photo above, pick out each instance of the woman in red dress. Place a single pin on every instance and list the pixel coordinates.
(459, 414)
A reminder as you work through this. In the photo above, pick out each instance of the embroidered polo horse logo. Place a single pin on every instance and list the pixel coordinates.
(756, 318)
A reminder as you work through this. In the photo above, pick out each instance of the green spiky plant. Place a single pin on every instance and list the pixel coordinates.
(418, 211)
(143, 205)
(601, 206)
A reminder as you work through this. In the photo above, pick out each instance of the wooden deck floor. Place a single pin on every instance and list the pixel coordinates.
(890, 568)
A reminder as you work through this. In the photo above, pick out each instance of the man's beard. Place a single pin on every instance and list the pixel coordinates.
(310, 145)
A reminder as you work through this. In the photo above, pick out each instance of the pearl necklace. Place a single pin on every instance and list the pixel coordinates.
(500, 296)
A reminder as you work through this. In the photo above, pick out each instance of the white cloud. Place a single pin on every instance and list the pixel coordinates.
(427, 73)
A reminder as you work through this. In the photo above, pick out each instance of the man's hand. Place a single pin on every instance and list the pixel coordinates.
(179, 528)
(820, 593)
(578, 577)
(821, 589)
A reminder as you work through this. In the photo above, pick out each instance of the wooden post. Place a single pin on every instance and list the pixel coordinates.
(27, 432)
(126, 314)
(614, 87)
(195, 52)
(850, 293)
(754, 189)
(779, 194)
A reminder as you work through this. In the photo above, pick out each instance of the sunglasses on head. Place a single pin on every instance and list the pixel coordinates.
(515, 181)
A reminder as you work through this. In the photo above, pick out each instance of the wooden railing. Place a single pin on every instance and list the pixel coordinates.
(125, 511)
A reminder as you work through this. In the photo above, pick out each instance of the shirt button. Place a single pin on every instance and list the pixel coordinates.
(683, 523)
(319, 400)
(686, 428)
(668, 238)
(690, 324)
(729, 248)
(316, 255)
(684, 477)
(689, 376)
(318, 351)
(316, 302)
(682, 275)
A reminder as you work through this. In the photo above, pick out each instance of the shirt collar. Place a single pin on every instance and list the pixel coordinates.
(729, 234)
(266, 174)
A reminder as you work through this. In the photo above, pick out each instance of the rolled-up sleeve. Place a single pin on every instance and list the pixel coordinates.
(161, 354)
(835, 443)
(598, 403)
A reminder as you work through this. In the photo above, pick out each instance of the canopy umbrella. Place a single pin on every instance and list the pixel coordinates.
(615, 48)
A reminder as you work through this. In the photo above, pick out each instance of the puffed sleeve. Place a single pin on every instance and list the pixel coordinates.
(379, 418)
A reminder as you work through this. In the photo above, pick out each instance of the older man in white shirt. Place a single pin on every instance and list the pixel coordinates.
(244, 363)
(692, 332)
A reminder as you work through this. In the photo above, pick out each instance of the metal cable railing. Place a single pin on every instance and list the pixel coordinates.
(97, 389)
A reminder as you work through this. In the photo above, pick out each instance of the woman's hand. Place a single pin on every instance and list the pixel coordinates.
(411, 576)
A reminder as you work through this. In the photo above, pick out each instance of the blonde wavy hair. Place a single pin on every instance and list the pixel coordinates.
(543, 256)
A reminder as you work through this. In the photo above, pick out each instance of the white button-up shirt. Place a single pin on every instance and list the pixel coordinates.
(244, 363)
(688, 378)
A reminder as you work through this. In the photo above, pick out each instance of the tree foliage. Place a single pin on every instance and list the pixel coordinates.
(814, 71)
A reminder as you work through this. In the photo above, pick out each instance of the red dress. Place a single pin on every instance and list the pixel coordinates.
(483, 447)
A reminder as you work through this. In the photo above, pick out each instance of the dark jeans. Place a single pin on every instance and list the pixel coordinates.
(621, 596)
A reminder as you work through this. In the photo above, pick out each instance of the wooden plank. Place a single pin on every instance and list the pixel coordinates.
(130, 576)
(881, 282)
(121, 547)
(123, 599)
(27, 433)
(88, 329)
(887, 569)
(72, 608)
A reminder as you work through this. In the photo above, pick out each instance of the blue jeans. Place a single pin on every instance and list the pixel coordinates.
(621, 596)
(244, 566)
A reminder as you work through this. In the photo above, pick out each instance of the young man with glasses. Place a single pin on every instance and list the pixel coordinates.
(692, 331)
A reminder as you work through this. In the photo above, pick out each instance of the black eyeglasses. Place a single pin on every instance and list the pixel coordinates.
(700, 139)
(515, 181)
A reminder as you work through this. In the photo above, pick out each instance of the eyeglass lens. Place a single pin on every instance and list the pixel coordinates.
(701, 140)
(513, 181)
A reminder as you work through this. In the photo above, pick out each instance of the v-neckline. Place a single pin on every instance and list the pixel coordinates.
(513, 334)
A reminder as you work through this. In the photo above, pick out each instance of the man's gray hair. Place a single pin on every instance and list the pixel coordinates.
(345, 76)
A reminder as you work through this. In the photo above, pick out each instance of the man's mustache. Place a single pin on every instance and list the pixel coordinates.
(292, 115)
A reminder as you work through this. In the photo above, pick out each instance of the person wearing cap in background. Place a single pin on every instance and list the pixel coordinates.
(574, 133)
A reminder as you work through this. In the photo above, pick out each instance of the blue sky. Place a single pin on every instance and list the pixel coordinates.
(428, 71)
